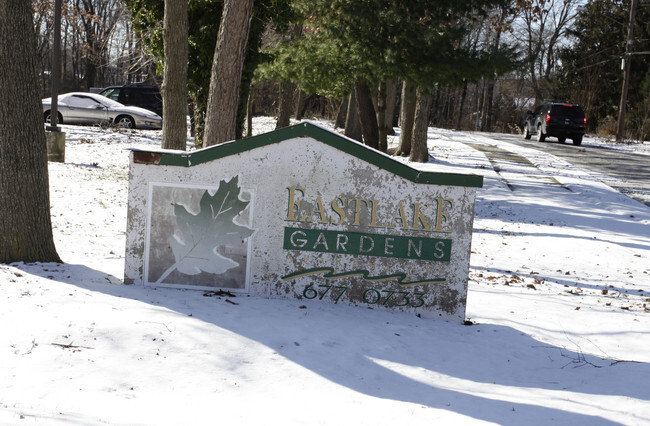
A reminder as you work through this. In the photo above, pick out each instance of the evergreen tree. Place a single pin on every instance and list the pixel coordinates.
(363, 43)
(591, 67)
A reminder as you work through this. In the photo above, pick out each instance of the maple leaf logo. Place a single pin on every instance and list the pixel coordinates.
(195, 248)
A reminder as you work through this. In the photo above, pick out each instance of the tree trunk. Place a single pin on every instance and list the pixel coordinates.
(407, 117)
(463, 95)
(381, 117)
(300, 105)
(174, 87)
(419, 150)
(391, 91)
(227, 65)
(352, 124)
(367, 115)
(341, 114)
(249, 114)
(285, 99)
(25, 223)
(486, 111)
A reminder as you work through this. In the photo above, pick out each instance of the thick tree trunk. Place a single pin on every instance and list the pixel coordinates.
(419, 150)
(225, 83)
(407, 117)
(25, 224)
(352, 124)
(367, 115)
(174, 87)
(285, 99)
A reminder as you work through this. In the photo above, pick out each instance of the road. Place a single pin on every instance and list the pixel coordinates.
(630, 173)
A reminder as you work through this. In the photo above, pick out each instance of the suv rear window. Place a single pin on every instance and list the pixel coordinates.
(567, 111)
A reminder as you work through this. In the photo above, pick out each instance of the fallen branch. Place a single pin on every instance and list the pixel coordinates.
(70, 346)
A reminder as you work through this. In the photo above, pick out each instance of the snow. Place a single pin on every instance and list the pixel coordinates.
(559, 298)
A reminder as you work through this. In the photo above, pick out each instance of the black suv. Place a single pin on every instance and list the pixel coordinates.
(147, 97)
(557, 120)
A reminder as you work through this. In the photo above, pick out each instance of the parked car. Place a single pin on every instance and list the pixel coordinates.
(147, 97)
(91, 108)
(562, 121)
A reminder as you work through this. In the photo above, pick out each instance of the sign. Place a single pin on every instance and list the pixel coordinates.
(303, 213)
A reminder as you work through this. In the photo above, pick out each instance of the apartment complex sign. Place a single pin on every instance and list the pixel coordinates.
(302, 213)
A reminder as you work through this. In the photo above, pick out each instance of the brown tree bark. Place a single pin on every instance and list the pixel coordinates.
(407, 115)
(341, 113)
(249, 114)
(381, 117)
(459, 116)
(419, 149)
(367, 115)
(227, 66)
(352, 124)
(174, 87)
(25, 223)
(391, 92)
(285, 101)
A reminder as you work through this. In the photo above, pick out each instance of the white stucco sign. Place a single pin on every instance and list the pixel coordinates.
(303, 213)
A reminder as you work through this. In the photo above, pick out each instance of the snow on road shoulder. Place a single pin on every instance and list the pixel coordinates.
(572, 252)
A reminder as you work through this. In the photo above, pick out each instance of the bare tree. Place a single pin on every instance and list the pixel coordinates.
(544, 23)
(25, 224)
(174, 88)
(97, 41)
(228, 62)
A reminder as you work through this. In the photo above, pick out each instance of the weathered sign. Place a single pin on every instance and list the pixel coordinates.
(302, 213)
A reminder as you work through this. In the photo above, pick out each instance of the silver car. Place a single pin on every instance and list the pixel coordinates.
(90, 108)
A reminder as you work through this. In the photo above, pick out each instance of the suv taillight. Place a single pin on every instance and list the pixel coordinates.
(585, 122)
(548, 118)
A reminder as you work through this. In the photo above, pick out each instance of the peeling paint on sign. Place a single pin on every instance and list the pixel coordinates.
(302, 213)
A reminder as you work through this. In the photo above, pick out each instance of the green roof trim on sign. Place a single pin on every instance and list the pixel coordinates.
(342, 143)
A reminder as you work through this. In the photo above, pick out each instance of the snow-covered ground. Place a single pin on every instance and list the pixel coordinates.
(559, 298)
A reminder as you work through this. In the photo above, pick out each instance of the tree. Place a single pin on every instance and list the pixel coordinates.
(98, 20)
(228, 63)
(365, 43)
(419, 149)
(174, 88)
(285, 98)
(545, 22)
(25, 223)
(591, 67)
(204, 18)
(407, 117)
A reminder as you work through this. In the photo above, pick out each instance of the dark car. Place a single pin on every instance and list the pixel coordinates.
(147, 97)
(562, 121)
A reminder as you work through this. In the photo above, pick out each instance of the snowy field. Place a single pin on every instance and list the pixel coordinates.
(559, 301)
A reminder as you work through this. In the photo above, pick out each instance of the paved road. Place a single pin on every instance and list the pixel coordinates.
(630, 172)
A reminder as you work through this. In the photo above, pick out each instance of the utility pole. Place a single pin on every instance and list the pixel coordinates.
(55, 76)
(627, 59)
(54, 137)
